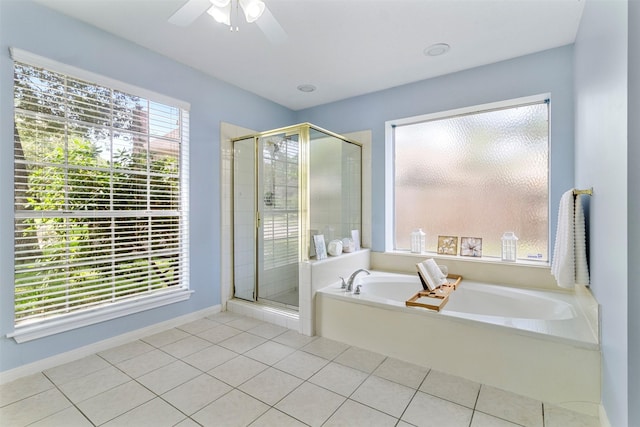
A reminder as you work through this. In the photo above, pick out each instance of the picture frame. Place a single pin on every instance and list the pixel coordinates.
(471, 246)
(447, 245)
(312, 244)
(320, 247)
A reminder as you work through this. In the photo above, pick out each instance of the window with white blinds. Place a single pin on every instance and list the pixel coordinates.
(101, 195)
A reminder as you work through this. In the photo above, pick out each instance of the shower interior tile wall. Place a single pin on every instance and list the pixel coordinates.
(351, 196)
(278, 280)
(325, 178)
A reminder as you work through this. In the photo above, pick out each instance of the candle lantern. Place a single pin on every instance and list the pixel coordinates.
(509, 247)
(418, 241)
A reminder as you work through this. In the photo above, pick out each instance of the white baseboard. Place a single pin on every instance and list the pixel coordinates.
(79, 353)
(604, 420)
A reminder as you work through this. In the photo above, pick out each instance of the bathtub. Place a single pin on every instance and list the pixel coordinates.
(540, 344)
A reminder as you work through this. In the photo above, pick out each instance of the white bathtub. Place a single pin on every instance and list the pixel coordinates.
(537, 343)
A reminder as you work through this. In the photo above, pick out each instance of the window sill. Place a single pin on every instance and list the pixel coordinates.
(523, 273)
(483, 260)
(29, 332)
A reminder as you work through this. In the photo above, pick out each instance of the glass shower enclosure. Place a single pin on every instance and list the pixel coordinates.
(288, 185)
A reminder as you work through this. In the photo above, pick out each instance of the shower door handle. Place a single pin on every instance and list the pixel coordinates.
(258, 219)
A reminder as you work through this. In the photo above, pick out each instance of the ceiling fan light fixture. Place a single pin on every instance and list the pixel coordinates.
(253, 9)
(221, 15)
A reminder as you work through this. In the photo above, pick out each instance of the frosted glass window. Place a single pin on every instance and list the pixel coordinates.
(475, 175)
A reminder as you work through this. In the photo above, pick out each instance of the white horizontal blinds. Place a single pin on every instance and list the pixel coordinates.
(100, 204)
(280, 224)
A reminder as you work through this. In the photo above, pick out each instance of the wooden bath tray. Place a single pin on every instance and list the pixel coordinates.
(436, 299)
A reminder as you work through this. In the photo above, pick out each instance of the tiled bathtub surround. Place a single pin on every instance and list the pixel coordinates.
(231, 370)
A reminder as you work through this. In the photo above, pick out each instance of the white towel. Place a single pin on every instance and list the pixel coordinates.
(563, 265)
(582, 268)
(569, 265)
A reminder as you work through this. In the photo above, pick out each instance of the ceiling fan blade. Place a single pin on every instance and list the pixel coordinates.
(271, 27)
(189, 12)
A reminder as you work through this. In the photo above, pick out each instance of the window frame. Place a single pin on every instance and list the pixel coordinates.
(58, 323)
(389, 229)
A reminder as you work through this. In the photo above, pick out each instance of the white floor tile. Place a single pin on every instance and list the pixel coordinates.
(192, 371)
(449, 387)
(186, 346)
(294, 339)
(559, 417)
(233, 409)
(355, 414)
(76, 369)
(480, 419)
(126, 351)
(165, 337)
(269, 352)
(339, 379)
(172, 375)
(93, 384)
(362, 360)
(197, 393)
(34, 408)
(187, 422)
(268, 330)
(430, 411)
(301, 364)
(509, 406)
(225, 316)
(384, 395)
(401, 372)
(242, 342)
(115, 402)
(270, 385)
(155, 413)
(245, 323)
(275, 418)
(145, 363)
(238, 370)
(23, 388)
(210, 357)
(199, 325)
(310, 404)
(218, 333)
(69, 417)
(325, 348)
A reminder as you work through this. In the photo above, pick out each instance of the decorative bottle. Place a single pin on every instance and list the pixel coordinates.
(509, 247)
(418, 241)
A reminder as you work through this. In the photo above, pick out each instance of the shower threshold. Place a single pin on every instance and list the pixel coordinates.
(287, 299)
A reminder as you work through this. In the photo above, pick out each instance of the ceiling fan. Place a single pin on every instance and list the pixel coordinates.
(228, 12)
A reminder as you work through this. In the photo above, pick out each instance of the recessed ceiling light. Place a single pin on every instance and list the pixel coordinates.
(306, 88)
(437, 49)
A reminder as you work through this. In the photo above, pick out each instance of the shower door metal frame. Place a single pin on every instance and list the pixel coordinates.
(302, 129)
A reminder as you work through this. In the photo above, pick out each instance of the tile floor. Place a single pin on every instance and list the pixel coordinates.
(230, 370)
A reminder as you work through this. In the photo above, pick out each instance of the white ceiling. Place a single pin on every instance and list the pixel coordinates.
(343, 47)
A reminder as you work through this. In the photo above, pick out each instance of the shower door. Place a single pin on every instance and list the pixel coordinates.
(266, 218)
(244, 219)
(278, 213)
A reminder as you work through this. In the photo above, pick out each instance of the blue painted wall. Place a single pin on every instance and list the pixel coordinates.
(601, 84)
(28, 26)
(546, 72)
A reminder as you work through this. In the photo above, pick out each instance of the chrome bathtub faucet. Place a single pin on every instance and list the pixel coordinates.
(349, 284)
